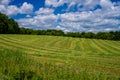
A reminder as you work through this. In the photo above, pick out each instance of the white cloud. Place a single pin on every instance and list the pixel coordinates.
(108, 29)
(26, 8)
(5, 2)
(9, 10)
(54, 3)
(62, 28)
(87, 4)
(44, 11)
(39, 21)
(106, 4)
(12, 10)
(2, 8)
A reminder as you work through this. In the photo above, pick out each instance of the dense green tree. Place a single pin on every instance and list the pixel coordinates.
(3, 23)
(89, 35)
(54, 32)
(13, 27)
(73, 34)
(22, 30)
(8, 25)
(116, 35)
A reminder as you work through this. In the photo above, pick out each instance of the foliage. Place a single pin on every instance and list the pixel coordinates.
(8, 26)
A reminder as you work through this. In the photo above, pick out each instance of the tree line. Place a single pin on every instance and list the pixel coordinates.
(9, 26)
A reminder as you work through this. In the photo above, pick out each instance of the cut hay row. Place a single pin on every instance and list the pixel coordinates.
(65, 42)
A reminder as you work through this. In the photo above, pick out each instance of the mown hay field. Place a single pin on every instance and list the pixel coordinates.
(38, 57)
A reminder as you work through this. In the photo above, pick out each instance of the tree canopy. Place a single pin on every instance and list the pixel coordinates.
(8, 26)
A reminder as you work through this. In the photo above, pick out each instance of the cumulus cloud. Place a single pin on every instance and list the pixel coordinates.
(106, 4)
(54, 3)
(5, 2)
(86, 4)
(26, 8)
(39, 21)
(2, 8)
(11, 10)
(62, 28)
(44, 11)
(81, 5)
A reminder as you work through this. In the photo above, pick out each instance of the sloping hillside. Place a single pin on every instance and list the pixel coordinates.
(74, 54)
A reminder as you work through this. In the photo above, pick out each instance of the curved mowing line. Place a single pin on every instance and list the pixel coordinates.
(11, 44)
(11, 38)
(67, 43)
(104, 47)
(78, 45)
(28, 38)
(74, 44)
(48, 40)
(99, 45)
(57, 43)
(11, 41)
(53, 41)
(21, 41)
(43, 42)
(63, 42)
(88, 44)
(19, 45)
(111, 43)
(84, 45)
(112, 49)
(92, 47)
(115, 43)
(4, 46)
(97, 48)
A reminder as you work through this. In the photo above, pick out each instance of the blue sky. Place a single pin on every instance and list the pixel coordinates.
(67, 15)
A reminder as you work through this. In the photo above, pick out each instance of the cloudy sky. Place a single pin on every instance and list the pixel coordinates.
(67, 15)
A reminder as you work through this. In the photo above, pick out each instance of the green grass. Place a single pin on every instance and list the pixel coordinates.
(33, 57)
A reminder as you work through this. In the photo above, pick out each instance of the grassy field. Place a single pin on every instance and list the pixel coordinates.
(33, 57)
